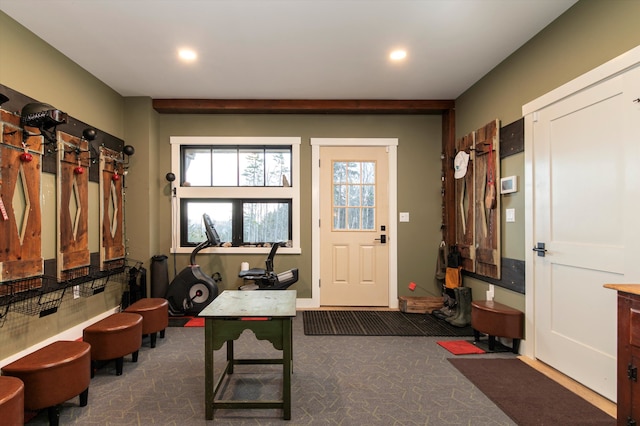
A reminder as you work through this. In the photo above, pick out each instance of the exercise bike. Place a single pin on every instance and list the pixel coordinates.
(267, 279)
(192, 290)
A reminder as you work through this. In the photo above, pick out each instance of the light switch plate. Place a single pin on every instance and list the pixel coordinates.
(510, 215)
(404, 216)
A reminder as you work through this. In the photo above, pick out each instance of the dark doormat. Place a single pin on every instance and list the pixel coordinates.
(528, 396)
(377, 323)
(178, 321)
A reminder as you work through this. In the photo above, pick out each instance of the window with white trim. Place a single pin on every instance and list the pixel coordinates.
(249, 186)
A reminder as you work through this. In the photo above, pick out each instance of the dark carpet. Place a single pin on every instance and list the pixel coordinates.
(528, 396)
(377, 323)
(336, 381)
(179, 321)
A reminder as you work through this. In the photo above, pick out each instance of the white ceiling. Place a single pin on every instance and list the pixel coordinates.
(287, 49)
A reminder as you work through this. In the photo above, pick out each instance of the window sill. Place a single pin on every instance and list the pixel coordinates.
(238, 250)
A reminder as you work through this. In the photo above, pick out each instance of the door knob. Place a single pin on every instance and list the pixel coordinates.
(382, 239)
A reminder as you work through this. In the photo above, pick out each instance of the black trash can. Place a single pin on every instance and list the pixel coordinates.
(159, 276)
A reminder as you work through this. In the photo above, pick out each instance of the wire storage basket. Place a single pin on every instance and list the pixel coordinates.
(97, 281)
(43, 297)
(5, 302)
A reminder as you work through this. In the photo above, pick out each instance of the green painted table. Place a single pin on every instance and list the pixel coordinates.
(269, 314)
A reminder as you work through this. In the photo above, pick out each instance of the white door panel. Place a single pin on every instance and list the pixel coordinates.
(579, 191)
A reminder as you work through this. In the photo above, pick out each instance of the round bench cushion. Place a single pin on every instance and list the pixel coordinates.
(53, 374)
(115, 336)
(154, 311)
(496, 319)
(11, 400)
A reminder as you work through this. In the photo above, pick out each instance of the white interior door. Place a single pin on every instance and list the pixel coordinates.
(582, 195)
(354, 225)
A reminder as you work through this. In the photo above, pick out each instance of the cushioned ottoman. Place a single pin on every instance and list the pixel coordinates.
(155, 316)
(497, 320)
(114, 337)
(52, 375)
(11, 401)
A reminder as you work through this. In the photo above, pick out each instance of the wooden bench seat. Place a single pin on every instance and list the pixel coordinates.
(497, 320)
(52, 375)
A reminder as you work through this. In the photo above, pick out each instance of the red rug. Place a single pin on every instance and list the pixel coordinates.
(195, 322)
(460, 347)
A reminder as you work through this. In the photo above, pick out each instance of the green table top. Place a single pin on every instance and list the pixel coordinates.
(258, 303)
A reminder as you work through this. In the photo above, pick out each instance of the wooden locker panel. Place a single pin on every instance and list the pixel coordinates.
(487, 214)
(20, 212)
(465, 207)
(73, 207)
(112, 250)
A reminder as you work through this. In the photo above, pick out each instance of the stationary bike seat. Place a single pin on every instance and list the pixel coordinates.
(253, 273)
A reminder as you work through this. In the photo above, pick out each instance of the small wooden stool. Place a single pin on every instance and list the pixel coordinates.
(11, 401)
(52, 375)
(114, 337)
(495, 319)
(155, 316)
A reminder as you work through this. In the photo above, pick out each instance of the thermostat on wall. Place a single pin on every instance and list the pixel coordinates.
(509, 185)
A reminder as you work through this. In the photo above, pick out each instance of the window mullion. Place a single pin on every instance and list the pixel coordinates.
(237, 222)
(212, 167)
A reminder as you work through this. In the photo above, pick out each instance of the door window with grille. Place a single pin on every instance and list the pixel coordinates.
(354, 189)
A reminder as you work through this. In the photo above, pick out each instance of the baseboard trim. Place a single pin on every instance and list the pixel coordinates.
(72, 333)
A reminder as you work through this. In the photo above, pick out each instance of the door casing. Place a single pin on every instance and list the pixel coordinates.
(609, 69)
(392, 234)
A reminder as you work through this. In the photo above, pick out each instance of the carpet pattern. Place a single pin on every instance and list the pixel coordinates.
(372, 381)
(527, 396)
(377, 323)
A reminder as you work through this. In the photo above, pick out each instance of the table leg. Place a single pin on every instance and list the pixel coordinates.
(230, 356)
(287, 357)
(208, 368)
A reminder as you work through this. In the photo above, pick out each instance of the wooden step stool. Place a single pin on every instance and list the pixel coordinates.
(496, 320)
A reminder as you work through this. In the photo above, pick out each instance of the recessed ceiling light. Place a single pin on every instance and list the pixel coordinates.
(187, 55)
(398, 55)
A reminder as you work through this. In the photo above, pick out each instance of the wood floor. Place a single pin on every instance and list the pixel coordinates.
(596, 399)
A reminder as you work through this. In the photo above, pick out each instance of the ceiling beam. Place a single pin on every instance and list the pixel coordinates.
(300, 106)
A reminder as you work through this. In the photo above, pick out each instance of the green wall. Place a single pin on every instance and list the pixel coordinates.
(589, 34)
(32, 67)
(418, 180)
(586, 36)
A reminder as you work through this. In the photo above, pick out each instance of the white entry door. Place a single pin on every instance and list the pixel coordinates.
(584, 184)
(354, 225)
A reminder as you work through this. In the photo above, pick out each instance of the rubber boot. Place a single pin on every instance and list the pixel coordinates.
(447, 310)
(456, 307)
(463, 318)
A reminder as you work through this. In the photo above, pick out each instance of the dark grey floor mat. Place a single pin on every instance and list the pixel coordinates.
(377, 323)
